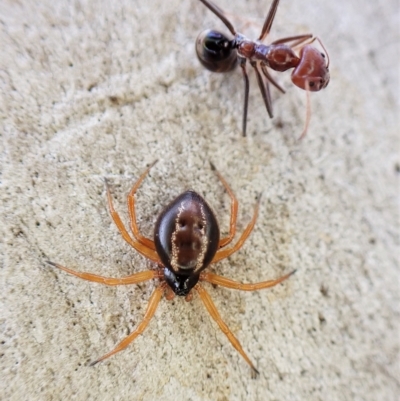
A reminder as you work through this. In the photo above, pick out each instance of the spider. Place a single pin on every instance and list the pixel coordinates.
(186, 241)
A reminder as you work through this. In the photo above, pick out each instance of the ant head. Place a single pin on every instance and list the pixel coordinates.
(215, 51)
(312, 72)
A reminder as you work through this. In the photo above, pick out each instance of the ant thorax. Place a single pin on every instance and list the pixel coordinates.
(279, 57)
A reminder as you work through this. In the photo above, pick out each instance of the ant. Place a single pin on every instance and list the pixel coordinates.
(218, 53)
(186, 241)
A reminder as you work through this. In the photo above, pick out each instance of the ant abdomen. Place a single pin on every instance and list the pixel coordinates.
(215, 51)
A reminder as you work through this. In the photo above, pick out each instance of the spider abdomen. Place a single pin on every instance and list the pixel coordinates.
(186, 236)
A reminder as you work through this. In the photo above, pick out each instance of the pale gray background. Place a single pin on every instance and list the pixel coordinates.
(93, 89)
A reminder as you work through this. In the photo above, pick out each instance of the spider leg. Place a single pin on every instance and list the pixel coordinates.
(234, 210)
(132, 279)
(269, 20)
(212, 310)
(141, 248)
(220, 14)
(242, 62)
(264, 88)
(228, 283)
(224, 253)
(151, 309)
(132, 214)
(169, 294)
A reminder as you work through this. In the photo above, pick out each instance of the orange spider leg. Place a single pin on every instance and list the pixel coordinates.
(224, 253)
(132, 214)
(228, 283)
(169, 293)
(234, 210)
(151, 309)
(141, 248)
(132, 279)
(212, 310)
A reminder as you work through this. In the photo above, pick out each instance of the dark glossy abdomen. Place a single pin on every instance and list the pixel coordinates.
(215, 51)
(186, 235)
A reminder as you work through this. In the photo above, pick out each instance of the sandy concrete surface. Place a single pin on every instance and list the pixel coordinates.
(94, 89)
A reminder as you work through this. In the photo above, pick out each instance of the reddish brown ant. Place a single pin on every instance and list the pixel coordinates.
(218, 53)
(186, 241)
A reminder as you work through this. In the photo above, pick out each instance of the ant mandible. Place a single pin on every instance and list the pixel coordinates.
(186, 241)
(218, 53)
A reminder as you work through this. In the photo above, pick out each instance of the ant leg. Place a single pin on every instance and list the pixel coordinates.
(132, 279)
(297, 39)
(234, 210)
(212, 310)
(228, 283)
(224, 253)
(151, 309)
(220, 14)
(269, 20)
(264, 88)
(141, 248)
(246, 94)
(132, 214)
(267, 75)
